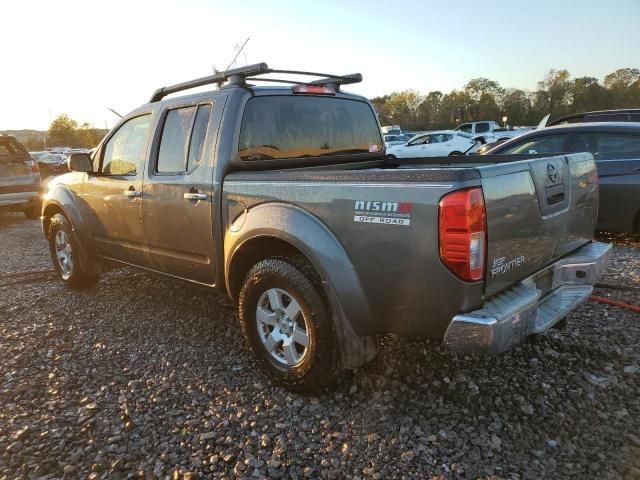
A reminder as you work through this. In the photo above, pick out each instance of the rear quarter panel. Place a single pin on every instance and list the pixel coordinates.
(406, 288)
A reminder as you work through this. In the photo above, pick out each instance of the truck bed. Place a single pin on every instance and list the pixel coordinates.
(407, 287)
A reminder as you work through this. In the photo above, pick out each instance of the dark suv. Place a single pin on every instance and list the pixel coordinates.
(20, 188)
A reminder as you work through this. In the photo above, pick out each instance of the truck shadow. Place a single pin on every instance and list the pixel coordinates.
(8, 219)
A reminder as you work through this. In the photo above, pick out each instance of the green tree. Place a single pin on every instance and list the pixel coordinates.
(87, 136)
(485, 99)
(478, 87)
(632, 96)
(63, 131)
(516, 106)
(618, 83)
(428, 111)
(33, 143)
(588, 94)
(621, 78)
(555, 92)
(401, 108)
(455, 108)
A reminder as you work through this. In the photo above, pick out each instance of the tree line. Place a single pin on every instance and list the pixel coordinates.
(64, 131)
(483, 99)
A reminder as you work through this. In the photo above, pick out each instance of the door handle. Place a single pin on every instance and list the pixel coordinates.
(132, 193)
(195, 196)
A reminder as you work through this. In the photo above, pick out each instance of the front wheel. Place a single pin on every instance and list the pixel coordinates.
(287, 323)
(455, 154)
(64, 250)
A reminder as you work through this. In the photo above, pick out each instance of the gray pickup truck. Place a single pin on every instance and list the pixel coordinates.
(281, 197)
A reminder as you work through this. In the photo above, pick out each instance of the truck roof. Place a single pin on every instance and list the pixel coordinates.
(255, 91)
(326, 84)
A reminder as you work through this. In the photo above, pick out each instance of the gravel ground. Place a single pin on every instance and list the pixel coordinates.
(148, 378)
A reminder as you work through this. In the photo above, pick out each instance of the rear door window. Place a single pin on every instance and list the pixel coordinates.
(482, 127)
(281, 127)
(547, 144)
(608, 146)
(182, 141)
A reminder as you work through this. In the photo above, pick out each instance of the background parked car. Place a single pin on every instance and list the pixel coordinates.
(489, 131)
(20, 187)
(616, 148)
(49, 163)
(434, 144)
(391, 130)
(391, 140)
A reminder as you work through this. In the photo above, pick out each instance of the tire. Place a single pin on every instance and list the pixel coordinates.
(66, 257)
(33, 212)
(391, 157)
(299, 353)
(455, 154)
(561, 324)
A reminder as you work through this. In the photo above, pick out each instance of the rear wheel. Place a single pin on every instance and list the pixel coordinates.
(64, 249)
(287, 323)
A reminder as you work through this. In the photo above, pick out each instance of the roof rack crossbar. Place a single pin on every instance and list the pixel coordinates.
(241, 72)
(238, 76)
(342, 79)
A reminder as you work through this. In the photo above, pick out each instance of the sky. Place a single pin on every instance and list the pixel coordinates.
(82, 57)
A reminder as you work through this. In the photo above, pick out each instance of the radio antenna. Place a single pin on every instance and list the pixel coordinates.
(114, 112)
(238, 53)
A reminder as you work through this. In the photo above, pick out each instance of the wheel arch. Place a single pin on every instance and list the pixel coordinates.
(62, 201)
(48, 213)
(278, 229)
(251, 252)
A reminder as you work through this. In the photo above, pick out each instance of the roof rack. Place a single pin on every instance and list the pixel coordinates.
(239, 76)
(623, 114)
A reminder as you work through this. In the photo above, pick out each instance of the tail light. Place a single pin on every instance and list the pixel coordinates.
(463, 233)
(34, 166)
(314, 89)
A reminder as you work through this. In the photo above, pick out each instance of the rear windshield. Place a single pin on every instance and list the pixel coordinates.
(279, 127)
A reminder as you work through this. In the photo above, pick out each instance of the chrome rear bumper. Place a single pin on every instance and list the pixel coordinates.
(524, 309)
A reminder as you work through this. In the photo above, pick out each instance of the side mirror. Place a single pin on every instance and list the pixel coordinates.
(80, 162)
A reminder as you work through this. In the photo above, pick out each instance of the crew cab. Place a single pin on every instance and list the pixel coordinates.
(282, 198)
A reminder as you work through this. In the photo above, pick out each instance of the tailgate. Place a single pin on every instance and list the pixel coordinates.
(538, 210)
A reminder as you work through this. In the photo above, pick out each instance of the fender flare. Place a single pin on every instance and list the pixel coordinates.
(308, 234)
(61, 198)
